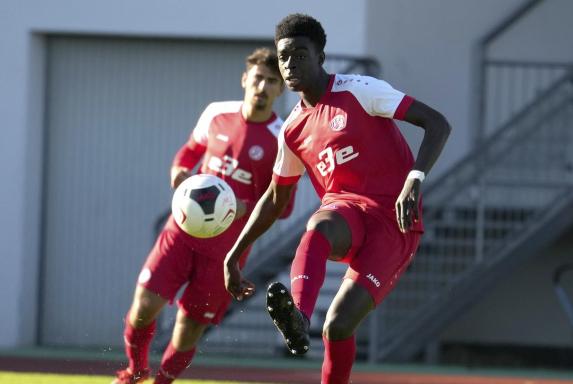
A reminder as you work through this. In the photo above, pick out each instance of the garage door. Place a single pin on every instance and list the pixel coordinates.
(117, 110)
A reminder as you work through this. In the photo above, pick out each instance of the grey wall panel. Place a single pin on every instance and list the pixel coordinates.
(117, 110)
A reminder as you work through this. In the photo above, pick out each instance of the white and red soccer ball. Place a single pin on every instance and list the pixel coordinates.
(204, 206)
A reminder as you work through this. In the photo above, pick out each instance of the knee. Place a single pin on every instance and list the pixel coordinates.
(336, 231)
(337, 328)
(143, 311)
(186, 324)
(140, 314)
(325, 227)
(186, 332)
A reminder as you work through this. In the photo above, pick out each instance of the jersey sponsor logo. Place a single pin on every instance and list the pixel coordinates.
(256, 152)
(338, 123)
(329, 159)
(228, 166)
(222, 137)
(373, 279)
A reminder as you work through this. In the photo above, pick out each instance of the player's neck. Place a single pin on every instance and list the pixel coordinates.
(254, 115)
(311, 96)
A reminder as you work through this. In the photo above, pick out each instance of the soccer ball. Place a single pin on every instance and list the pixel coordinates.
(203, 206)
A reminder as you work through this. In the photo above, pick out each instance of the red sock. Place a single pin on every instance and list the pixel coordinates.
(137, 343)
(308, 270)
(172, 364)
(338, 359)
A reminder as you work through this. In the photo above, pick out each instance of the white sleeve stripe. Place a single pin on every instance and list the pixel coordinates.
(201, 130)
(275, 126)
(376, 97)
(287, 163)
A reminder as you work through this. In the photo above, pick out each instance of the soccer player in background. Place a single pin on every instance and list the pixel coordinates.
(237, 141)
(342, 132)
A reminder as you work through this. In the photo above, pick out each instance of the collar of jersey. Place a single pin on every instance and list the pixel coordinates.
(324, 97)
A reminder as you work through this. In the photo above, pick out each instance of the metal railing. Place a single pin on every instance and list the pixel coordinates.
(477, 214)
(488, 213)
(565, 300)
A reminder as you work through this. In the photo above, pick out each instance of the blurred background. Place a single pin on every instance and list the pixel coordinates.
(97, 96)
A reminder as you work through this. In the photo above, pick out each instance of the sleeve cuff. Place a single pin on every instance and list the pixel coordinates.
(285, 180)
(403, 107)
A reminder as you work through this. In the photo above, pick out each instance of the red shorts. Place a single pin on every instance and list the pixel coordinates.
(177, 259)
(380, 253)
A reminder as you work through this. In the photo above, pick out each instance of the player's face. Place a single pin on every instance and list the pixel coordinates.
(300, 62)
(262, 86)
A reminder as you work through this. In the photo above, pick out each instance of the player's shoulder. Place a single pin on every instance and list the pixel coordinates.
(275, 126)
(296, 112)
(220, 107)
(360, 84)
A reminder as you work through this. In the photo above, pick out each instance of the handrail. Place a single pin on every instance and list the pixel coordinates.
(482, 148)
(509, 21)
(562, 296)
(480, 83)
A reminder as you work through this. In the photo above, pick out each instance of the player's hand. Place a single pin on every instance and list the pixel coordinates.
(178, 175)
(235, 284)
(407, 205)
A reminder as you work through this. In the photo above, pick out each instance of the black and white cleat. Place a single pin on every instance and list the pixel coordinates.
(291, 323)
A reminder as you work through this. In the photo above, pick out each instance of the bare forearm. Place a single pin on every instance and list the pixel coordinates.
(436, 132)
(266, 212)
(435, 137)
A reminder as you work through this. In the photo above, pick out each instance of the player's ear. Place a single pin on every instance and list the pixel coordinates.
(244, 80)
(321, 58)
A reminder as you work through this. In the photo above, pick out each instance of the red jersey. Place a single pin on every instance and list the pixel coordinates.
(239, 151)
(349, 143)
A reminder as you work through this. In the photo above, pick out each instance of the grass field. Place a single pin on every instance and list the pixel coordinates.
(41, 378)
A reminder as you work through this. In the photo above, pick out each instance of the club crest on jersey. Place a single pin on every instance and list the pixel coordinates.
(338, 123)
(256, 152)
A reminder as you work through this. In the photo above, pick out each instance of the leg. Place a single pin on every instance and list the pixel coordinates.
(329, 236)
(368, 280)
(181, 349)
(350, 306)
(139, 330)
(331, 233)
(145, 307)
(334, 227)
(165, 271)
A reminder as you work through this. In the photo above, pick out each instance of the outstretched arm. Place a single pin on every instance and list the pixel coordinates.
(437, 129)
(266, 212)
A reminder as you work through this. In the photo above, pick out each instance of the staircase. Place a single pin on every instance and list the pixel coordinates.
(501, 204)
(508, 199)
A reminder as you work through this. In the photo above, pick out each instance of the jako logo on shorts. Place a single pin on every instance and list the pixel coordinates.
(373, 279)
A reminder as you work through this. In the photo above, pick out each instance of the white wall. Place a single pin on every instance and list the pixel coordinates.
(22, 25)
(546, 32)
(427, 50)
(522, 309)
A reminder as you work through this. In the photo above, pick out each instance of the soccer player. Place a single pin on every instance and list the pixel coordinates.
(341, 132)
(237, 141)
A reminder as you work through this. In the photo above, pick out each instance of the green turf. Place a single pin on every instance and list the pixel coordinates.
(42, 378)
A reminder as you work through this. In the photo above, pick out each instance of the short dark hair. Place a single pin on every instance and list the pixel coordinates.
(265, 56)
(298, 24)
